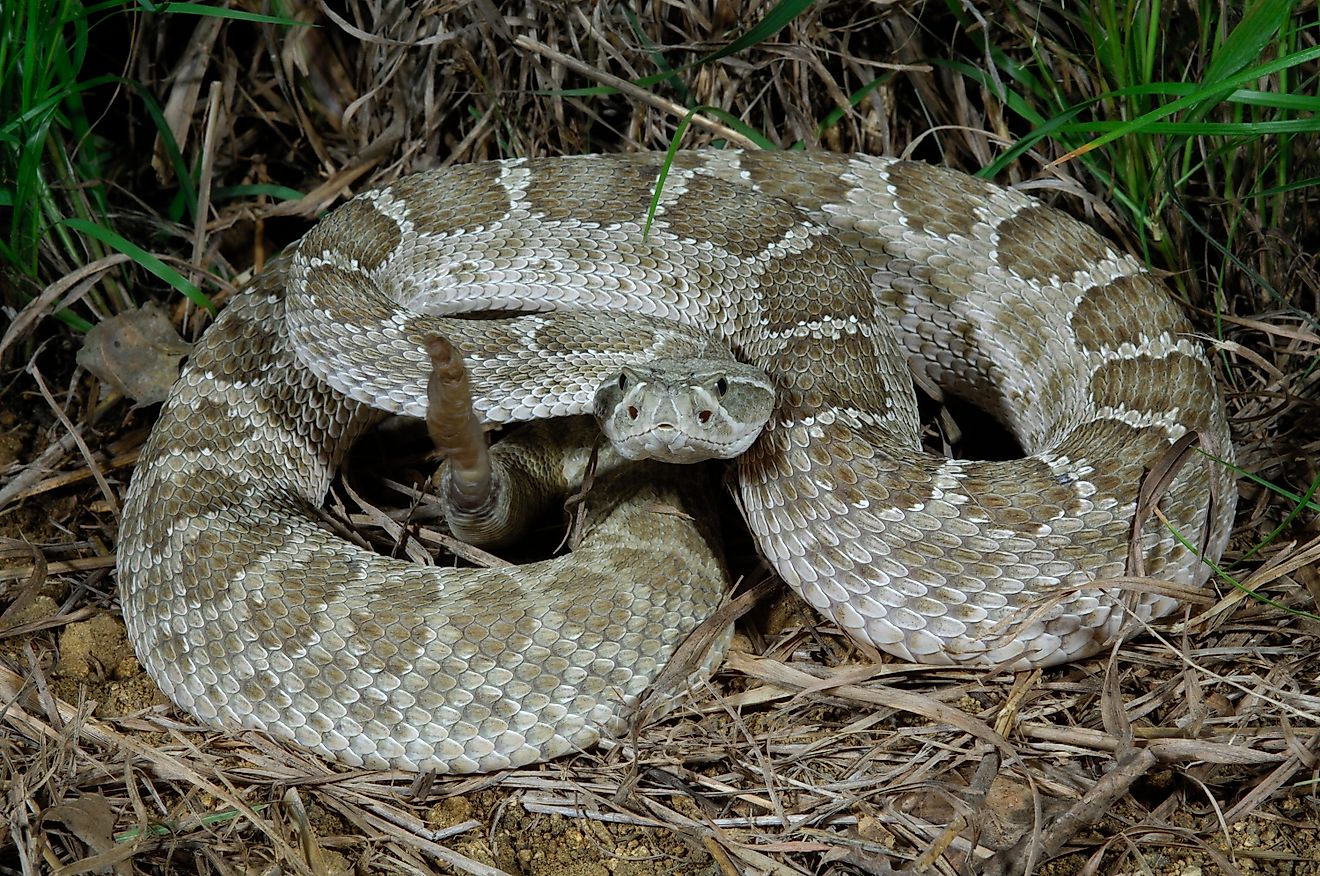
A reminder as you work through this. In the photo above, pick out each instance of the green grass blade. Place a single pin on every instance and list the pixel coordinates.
(778, 18)
(1203, 95)
(1261, 22)
(254, 190)
(146, 260)
(210, 11)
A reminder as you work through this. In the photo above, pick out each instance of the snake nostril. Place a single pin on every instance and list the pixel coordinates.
(632, 412)
(703, 416)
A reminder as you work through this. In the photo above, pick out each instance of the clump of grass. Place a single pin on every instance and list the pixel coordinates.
(1161, 122)
(57, 211)
(50, 162)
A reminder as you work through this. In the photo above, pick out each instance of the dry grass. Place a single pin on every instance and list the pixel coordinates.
(1194, 745)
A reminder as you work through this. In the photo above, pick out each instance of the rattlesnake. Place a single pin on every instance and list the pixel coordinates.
(835, 274)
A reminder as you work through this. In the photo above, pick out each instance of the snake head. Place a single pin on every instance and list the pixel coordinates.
(684, 410)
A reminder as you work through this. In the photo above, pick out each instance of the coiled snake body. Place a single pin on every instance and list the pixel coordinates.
(835, 274)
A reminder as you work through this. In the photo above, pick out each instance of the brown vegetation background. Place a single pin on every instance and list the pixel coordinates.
(1191, 750)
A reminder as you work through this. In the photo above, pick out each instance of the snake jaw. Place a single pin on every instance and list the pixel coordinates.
(684, 412)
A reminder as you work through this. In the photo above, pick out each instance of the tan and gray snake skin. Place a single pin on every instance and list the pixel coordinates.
(249, 612)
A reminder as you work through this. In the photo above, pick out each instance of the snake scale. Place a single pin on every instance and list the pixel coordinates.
(837, 275)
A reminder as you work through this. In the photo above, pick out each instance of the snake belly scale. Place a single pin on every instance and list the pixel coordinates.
(835, 274)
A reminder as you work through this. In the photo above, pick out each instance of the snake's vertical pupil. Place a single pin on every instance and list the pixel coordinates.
(623, 382)
(721, 386)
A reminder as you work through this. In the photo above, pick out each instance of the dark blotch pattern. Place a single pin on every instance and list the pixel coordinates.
(1044, 245)
(935, 200)
(711, 204)
(594, 193)
(806, 180)
(1130, 309)
(1018, 495)
(815, 285)
(820, 381)
(1145, 384)
(455, 199)
(358, 231)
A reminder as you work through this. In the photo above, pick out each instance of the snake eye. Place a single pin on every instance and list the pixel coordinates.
(623, 382)
(721, 386)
